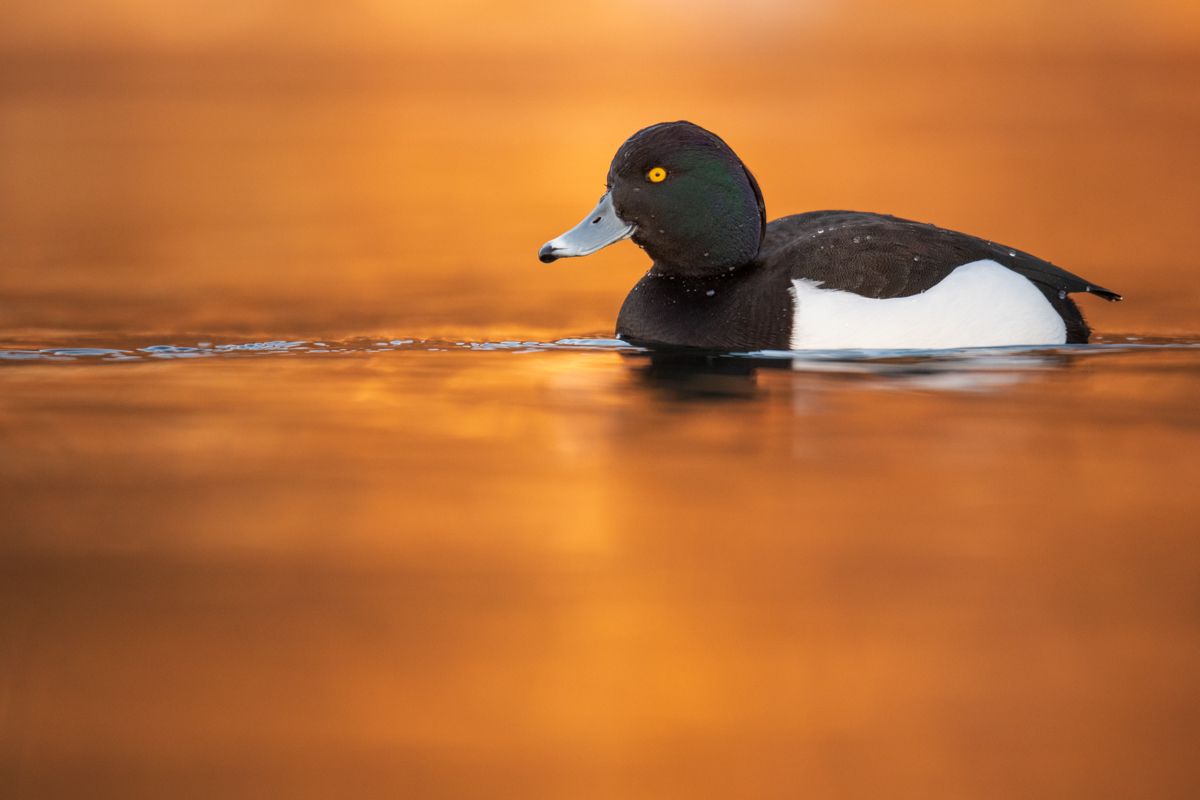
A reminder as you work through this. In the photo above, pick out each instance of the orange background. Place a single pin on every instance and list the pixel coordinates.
(372, 167)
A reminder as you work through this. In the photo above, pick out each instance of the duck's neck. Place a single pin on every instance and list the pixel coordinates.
(712, 259)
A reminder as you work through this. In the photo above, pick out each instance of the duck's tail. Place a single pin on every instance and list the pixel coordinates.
(1107, 294)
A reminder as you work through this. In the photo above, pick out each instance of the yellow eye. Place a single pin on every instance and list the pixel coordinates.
(656, 175)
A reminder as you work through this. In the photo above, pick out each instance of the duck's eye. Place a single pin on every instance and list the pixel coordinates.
(656, 175)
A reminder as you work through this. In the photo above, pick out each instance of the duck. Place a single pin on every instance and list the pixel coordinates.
(724, 279)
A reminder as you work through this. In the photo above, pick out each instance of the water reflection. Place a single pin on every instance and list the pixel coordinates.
(675, 375)
(475, 565)
(683, 377)
(700, 377)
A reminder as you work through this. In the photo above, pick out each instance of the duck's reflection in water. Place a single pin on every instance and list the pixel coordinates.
(696, 376)
(707, 377)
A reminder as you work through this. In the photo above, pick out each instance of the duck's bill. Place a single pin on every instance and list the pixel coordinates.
(598, 230)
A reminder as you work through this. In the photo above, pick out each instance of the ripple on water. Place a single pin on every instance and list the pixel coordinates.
(293, 348)
(936, 364)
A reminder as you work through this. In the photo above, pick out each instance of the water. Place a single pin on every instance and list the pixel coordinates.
(518, 566)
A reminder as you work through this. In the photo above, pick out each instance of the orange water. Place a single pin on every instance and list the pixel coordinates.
(423, 551)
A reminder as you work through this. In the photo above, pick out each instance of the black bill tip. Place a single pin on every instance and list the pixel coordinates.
(546, 254)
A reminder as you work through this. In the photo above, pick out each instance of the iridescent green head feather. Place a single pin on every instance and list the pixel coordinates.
(683, 196)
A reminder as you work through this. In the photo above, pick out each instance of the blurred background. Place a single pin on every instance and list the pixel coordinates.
(452, 572)
(386, 167)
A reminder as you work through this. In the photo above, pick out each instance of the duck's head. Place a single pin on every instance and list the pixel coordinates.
(682, 195)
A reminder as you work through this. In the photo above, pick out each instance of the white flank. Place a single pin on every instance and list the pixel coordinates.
(981, 304)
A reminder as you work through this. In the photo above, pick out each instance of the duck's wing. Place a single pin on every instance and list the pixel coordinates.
(883, 257)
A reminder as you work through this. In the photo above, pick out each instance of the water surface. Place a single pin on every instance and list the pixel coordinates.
(469, 568)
